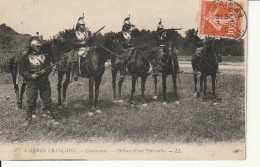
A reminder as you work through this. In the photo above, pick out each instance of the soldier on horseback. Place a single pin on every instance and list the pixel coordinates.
(32, 69)
(201, 44)
(166, 45)
(82, 46)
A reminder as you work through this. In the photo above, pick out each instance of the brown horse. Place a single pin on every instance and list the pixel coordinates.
(137, 67)
(92, 66)
(167, 66)
(208, 65)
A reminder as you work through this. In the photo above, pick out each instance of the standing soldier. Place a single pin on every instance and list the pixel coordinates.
(82, 45)
(32, 69)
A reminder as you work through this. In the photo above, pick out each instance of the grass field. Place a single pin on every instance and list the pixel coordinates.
(190, 121)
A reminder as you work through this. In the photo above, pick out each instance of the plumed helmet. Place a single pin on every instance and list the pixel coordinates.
(160, 22)
(35, 43)
(127, 20)
(81, 20)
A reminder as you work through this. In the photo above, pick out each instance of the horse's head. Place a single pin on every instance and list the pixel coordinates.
(135, 32)
(114, 43)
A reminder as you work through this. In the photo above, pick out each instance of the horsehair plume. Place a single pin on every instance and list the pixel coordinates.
(83, 15)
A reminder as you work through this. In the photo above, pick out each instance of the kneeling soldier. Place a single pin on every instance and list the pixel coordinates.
(32, 69)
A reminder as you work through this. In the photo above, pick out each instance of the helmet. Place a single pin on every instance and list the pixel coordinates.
(35, 44)
(127, 20)
(81, 22)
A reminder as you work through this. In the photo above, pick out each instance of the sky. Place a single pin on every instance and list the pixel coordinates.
(51, 16)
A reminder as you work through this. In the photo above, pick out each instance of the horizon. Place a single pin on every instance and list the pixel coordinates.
(24, 16)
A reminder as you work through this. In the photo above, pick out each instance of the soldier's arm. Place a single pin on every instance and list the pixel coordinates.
(25, 68)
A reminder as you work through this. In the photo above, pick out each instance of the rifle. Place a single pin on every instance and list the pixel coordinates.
(95, 33)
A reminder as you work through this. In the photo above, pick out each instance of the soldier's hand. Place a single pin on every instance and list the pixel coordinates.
(34, 76)
(83, 42)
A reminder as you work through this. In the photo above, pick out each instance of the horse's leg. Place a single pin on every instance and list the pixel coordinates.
(195, 77)
(114, 72)
(133, 89)
(22, 92)
(174, 81)
(97, 84)
(201, 83)
(91, 85)
(213, 78)
(16, 88)
(143, 80)
(65, 87)
(120, 83)
(164, 86)
(59, 86)
(155, 86)
(205, 88)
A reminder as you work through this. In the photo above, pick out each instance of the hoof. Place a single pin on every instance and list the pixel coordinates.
(98, 111)
(132, 105)
(177, 102)
(164, 103)
(90, 114)
(33, 116)
(216, 104)
(155, 97)
(60, 107)
(144, 105)
(54, 122)
(120, 101)
(195, 94)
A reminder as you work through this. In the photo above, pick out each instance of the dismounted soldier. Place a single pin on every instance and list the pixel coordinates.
(82, 45)
(32, 69)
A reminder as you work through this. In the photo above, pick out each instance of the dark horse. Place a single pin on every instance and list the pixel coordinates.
(207, 66)
(92, 66)
(137, 67)
(166, 67)
(14, 67)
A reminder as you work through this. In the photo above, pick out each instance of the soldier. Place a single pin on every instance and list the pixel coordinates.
(200, 44)
(166, 45)
(82, 46)
(32, 69)
(127, 41)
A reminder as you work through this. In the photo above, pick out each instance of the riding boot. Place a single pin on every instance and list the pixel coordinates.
(28, 119)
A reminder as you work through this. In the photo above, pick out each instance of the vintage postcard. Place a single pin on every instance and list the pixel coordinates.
(123, 79)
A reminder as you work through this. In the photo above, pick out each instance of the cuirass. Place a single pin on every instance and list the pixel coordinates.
(81, 36)
(127, 37)
(36, 61)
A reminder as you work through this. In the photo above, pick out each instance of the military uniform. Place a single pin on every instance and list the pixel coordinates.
(82, 47)
(166, 45)
(30, 65)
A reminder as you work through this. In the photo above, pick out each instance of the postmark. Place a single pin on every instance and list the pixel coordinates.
(223, 18)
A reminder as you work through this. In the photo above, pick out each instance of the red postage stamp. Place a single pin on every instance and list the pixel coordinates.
(222, 18)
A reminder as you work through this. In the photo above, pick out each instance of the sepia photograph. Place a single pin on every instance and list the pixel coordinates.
(123, 79)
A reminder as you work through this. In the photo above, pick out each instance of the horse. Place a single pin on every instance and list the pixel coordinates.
(138, 67)
(208, 65)
(166, 66)
(92, 67)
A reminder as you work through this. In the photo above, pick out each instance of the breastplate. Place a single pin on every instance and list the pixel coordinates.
(81, 36)
(36, 62)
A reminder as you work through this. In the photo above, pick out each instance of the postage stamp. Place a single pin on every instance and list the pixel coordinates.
(223, 18)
